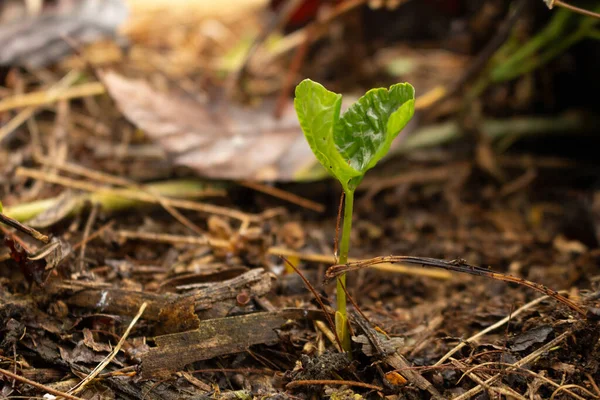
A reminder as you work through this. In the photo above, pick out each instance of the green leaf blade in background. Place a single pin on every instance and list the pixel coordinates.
(365, 132)
(318, 112)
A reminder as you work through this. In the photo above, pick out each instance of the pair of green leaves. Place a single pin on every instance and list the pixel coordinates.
(351, 144)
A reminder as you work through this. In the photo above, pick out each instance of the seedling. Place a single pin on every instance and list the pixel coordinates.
(348, 146)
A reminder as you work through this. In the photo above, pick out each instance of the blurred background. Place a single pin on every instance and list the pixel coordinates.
(505, 75)
(150, 90)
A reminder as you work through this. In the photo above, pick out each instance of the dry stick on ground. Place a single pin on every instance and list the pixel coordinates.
(458, 265)
(328, 333)
(396, 360)
(139, 196)
(276, 251)
(529, 372)
(46, 96)
(115, 180)
(593, 383)
(565, 388)
(500, 390)
(332, 382)
(81, 385)
(399, 363)
(28, 112)
(283, 195)
(94, 235)
(24, 228)
(525, 360)
(39, 386)
(490, 328)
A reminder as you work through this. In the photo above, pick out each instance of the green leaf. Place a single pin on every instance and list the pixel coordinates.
(351, 145)
(318, 112)
(0, 206)
(366, 130)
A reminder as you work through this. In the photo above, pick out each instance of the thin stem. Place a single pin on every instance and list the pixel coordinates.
(344, 247)
(576, 9)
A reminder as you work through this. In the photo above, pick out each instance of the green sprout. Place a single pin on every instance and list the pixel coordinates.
(348, 146)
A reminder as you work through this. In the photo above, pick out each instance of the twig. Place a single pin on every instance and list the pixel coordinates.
(500, 390)
(24, 228)
(174, 239)
(331, 382)
(458, 265)
(566, 388)
(593, 383)
(277, 251)
(14, 123)
(116, 180)
(93, 235)
(490, 328)
(79, 387)
(559, 3)
(134, 195)
(38, 385)
(28, 112)
(525, 360)
(46, 97)
(532, 373)
(318, 298)
(398, 362)
(327, 332)
(283, 195)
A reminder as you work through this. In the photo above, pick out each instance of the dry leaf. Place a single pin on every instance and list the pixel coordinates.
(228, 142)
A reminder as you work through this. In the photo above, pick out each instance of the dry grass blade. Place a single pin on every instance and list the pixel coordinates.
(525, 360)
(565, 388)
(283, 195)
(477, 379)
(119, 181)
(529, 372)
(276, 251)
(135, 195)
(458, 265)
(490, 328)
(46, 97)
(79, 387)
(39, 386)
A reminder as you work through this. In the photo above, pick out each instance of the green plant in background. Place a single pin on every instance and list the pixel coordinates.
(349, 145)
(564, 29)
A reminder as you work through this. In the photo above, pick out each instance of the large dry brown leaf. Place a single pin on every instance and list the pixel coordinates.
(225, 142)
